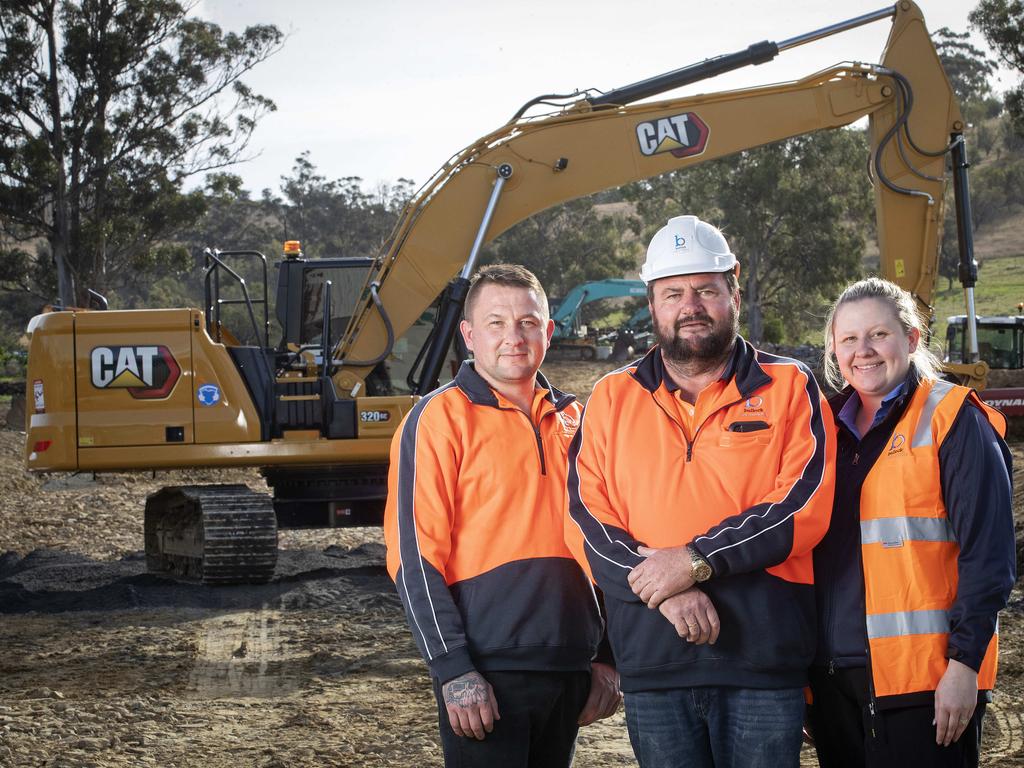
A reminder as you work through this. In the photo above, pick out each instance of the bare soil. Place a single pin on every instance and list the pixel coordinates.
(102, 664)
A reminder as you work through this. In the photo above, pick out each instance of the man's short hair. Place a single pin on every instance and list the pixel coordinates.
(731, 282)
(511, 275)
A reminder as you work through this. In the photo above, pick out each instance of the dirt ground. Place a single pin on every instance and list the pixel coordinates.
(102, 664)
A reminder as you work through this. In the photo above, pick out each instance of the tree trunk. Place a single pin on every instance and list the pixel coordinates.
(60, 234)
(752, 298)
(95, 273)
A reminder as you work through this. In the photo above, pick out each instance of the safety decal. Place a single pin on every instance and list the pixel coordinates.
(681, 135)
(37, 394)
(208, 394)
(147, 372)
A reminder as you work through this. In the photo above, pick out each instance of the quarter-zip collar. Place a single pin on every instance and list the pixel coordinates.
(742, 367)
(479, 392)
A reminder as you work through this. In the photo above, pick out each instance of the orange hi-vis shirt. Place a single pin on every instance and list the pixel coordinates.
(748, 480)
(475, 532)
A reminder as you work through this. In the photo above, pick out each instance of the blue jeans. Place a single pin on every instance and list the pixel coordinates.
(716, 727)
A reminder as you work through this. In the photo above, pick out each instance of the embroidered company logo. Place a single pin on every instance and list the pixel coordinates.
(754, 404)
(147, 372)
(681, 135)
(896, 446)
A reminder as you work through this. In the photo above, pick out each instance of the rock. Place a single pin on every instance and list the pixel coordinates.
(92, 744)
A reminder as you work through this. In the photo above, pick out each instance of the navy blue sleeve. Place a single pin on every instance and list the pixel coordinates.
(977, 489)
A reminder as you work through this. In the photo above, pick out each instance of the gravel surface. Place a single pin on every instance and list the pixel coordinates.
(105, 665)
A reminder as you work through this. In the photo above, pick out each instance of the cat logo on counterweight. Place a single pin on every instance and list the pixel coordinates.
(147, 372)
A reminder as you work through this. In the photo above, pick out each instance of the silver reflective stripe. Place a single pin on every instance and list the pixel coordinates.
(923, 435)
(895, 530)
(907, 623)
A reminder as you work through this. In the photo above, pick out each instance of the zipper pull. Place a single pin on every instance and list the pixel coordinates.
(871, 711)
(856, 458)
(831, 666)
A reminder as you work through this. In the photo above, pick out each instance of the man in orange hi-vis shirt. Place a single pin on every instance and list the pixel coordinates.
(505, 618)
(701, 478)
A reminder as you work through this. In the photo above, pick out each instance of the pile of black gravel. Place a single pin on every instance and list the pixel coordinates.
(51, 581)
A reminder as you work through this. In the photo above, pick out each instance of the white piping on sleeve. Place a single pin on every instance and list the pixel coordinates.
(771, 506)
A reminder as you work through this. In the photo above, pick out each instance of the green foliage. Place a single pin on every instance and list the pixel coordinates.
(995, 186)
(967, 67)
(336, 218)
(567, 245)
(795, 213)
(774, 330)
(1002, 24)
(106, 107)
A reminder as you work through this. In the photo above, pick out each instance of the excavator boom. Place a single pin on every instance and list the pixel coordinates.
(591, 145)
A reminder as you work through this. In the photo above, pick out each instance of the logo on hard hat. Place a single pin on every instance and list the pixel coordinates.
(681, 135)
(680, 242)
(147, 372)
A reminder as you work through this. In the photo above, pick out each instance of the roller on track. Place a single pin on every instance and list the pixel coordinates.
(222, 534)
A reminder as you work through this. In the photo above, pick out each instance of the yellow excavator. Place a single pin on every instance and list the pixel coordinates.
(172, 388)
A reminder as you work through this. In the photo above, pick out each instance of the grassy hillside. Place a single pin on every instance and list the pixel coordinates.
(1000, 288)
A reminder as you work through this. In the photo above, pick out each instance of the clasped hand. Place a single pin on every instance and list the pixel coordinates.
(663, 573)
(663, 581)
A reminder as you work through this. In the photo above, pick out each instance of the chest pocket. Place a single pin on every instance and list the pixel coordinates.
(738, 435)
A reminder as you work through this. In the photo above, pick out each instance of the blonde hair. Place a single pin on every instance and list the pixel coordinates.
(902, 304)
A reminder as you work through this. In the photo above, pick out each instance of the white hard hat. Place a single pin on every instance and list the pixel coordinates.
(686, 246)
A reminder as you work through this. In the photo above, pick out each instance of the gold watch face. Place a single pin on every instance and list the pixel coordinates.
(701, 571)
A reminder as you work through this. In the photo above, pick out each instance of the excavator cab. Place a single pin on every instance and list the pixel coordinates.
(1000, 341)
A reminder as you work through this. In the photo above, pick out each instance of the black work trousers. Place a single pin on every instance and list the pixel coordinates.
(847, 736)
(538, 725)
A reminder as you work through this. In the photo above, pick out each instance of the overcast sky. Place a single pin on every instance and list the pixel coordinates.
(384, 89)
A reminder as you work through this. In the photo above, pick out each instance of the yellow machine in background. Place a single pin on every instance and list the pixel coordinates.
(159, 389)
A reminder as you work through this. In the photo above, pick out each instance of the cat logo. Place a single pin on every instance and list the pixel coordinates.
(682, 135)
(147, 372)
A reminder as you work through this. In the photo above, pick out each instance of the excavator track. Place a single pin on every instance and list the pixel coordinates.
(218, 534)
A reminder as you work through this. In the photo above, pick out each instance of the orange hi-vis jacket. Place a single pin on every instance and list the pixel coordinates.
(475, 532)
(748, 481)
(909, 549)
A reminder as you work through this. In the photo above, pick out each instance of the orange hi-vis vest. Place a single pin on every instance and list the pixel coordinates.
(909, 549)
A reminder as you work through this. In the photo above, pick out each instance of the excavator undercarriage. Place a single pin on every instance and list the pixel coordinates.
(221, 534)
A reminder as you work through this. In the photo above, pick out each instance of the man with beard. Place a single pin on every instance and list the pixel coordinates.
(701, 478)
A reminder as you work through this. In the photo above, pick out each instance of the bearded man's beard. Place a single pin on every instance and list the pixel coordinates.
(710, 348)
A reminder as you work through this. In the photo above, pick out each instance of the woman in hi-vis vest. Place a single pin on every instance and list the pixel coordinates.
(919, 557)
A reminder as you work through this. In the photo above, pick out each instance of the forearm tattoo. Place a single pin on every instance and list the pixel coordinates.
(466, 690)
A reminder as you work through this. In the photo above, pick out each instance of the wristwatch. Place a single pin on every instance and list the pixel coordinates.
(700, 570)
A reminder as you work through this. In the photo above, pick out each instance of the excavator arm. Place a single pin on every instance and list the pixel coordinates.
(566, 313)
(532, 163)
